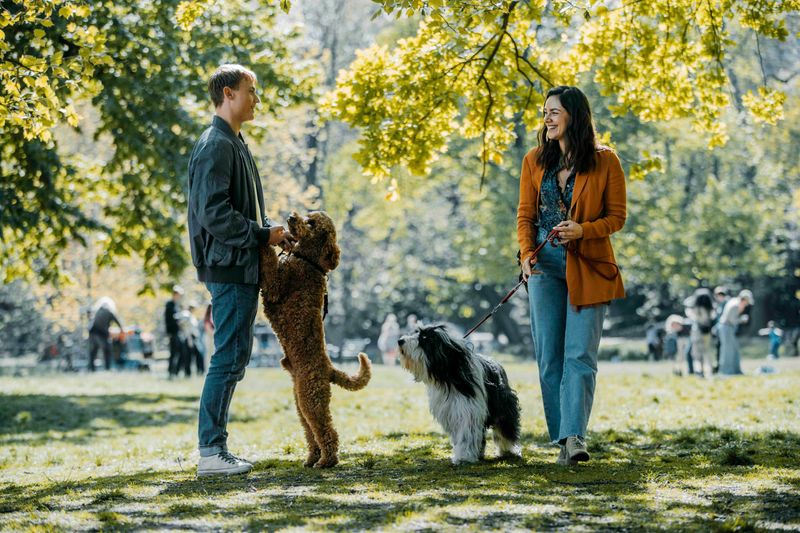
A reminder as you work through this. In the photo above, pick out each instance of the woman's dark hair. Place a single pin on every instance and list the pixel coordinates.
(580, 133)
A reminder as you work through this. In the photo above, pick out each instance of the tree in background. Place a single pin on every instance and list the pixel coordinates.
(22, 325)
(472, 66)
(442, 245)
(146, 78)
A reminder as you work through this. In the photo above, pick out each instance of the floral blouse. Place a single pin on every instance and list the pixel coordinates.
(553, 204)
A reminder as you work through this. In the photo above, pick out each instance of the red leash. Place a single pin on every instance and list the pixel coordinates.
(551, 238)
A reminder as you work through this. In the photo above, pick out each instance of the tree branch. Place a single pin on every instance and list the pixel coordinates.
(482, 78)
(503, 28)
(527, 61)
(484, 158)
(761, 60)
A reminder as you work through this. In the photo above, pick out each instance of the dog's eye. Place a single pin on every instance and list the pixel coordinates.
(312, 222)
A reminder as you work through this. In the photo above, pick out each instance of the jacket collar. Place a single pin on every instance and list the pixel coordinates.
(222, 125)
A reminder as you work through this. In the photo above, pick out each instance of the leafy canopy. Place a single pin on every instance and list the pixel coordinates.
(474, 66)
(145, 77)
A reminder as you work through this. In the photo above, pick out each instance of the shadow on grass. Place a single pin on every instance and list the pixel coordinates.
(28, 418)
(629, 484)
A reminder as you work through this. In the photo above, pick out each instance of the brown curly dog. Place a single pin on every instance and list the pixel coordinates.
(293, 290)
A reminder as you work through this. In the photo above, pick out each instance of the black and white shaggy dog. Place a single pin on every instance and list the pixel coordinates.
(467, 393)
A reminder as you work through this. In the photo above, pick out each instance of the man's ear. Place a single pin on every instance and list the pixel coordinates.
(330, 257)
(227, 92)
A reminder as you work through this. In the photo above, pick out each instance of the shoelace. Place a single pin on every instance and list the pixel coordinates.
(229, 458)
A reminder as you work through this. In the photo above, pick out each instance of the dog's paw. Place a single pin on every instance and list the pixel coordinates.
(327, 462)
(510, 456)
(312, 459)
(464, 461)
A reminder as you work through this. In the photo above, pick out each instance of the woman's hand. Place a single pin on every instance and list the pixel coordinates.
(569, 230)
(527, 268)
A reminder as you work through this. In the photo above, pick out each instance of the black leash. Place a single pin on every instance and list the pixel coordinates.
(503, 301)
(552, 239)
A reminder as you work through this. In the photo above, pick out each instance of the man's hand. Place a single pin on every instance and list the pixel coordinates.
(279, 236)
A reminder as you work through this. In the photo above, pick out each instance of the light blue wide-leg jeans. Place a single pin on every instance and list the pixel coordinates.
(566, 341)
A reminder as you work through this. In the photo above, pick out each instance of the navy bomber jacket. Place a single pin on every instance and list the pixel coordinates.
(226, 207)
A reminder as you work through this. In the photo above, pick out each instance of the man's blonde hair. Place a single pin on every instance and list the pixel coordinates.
(228, 75)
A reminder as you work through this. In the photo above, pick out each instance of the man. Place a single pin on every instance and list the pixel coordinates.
(227, 226)
(171, 310)
(105, 312)
(720, 299)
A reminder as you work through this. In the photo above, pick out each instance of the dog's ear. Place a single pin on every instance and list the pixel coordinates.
(330, 257)
(448, 360)
(300, 229)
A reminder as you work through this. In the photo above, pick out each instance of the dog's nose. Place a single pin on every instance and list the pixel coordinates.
(401, 342)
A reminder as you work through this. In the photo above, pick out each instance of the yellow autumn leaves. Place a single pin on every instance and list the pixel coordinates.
(38, 80)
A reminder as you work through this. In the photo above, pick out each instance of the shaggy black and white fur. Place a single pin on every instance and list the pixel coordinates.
(467, 393)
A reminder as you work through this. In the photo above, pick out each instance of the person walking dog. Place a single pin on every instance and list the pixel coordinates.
(573, 185)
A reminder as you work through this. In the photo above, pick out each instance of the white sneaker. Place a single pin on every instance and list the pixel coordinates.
(224, 463)
(563, 460)
(576, 449)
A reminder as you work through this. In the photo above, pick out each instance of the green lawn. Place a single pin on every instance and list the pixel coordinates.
(117, 451)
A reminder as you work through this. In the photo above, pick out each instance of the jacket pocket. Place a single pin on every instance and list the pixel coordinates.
(596, 248)
(220, 254)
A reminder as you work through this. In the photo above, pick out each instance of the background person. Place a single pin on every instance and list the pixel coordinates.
(730, 356)
(775, 337)
(700, 311)
(721, 298)
(105, 312)
(171, 311)
(387, 340)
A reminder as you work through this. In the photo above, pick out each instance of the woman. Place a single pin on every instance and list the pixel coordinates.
(732, 316)
(387, 341)
(572, 185)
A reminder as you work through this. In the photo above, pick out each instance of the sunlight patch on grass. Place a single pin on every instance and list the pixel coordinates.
(96, 453)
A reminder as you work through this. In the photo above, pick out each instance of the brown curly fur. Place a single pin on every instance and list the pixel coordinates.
(293, 291)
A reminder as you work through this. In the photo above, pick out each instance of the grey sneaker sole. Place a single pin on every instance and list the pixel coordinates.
(226, 472)
(580, 456)
(566, 462)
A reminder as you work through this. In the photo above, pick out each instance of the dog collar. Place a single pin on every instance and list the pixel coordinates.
(310, 262)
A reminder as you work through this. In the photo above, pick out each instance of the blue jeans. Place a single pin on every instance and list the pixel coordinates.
(233, 309)
(566, 342)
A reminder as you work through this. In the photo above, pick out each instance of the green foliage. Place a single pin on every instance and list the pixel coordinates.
(146, 77)
(703, 220)
(22, 325)
(473, 66)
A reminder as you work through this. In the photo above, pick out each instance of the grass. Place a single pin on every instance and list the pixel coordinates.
(116, 451)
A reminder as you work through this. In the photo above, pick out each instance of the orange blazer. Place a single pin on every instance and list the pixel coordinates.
(599, 206)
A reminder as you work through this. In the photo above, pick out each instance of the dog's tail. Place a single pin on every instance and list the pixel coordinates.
(357, 382)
